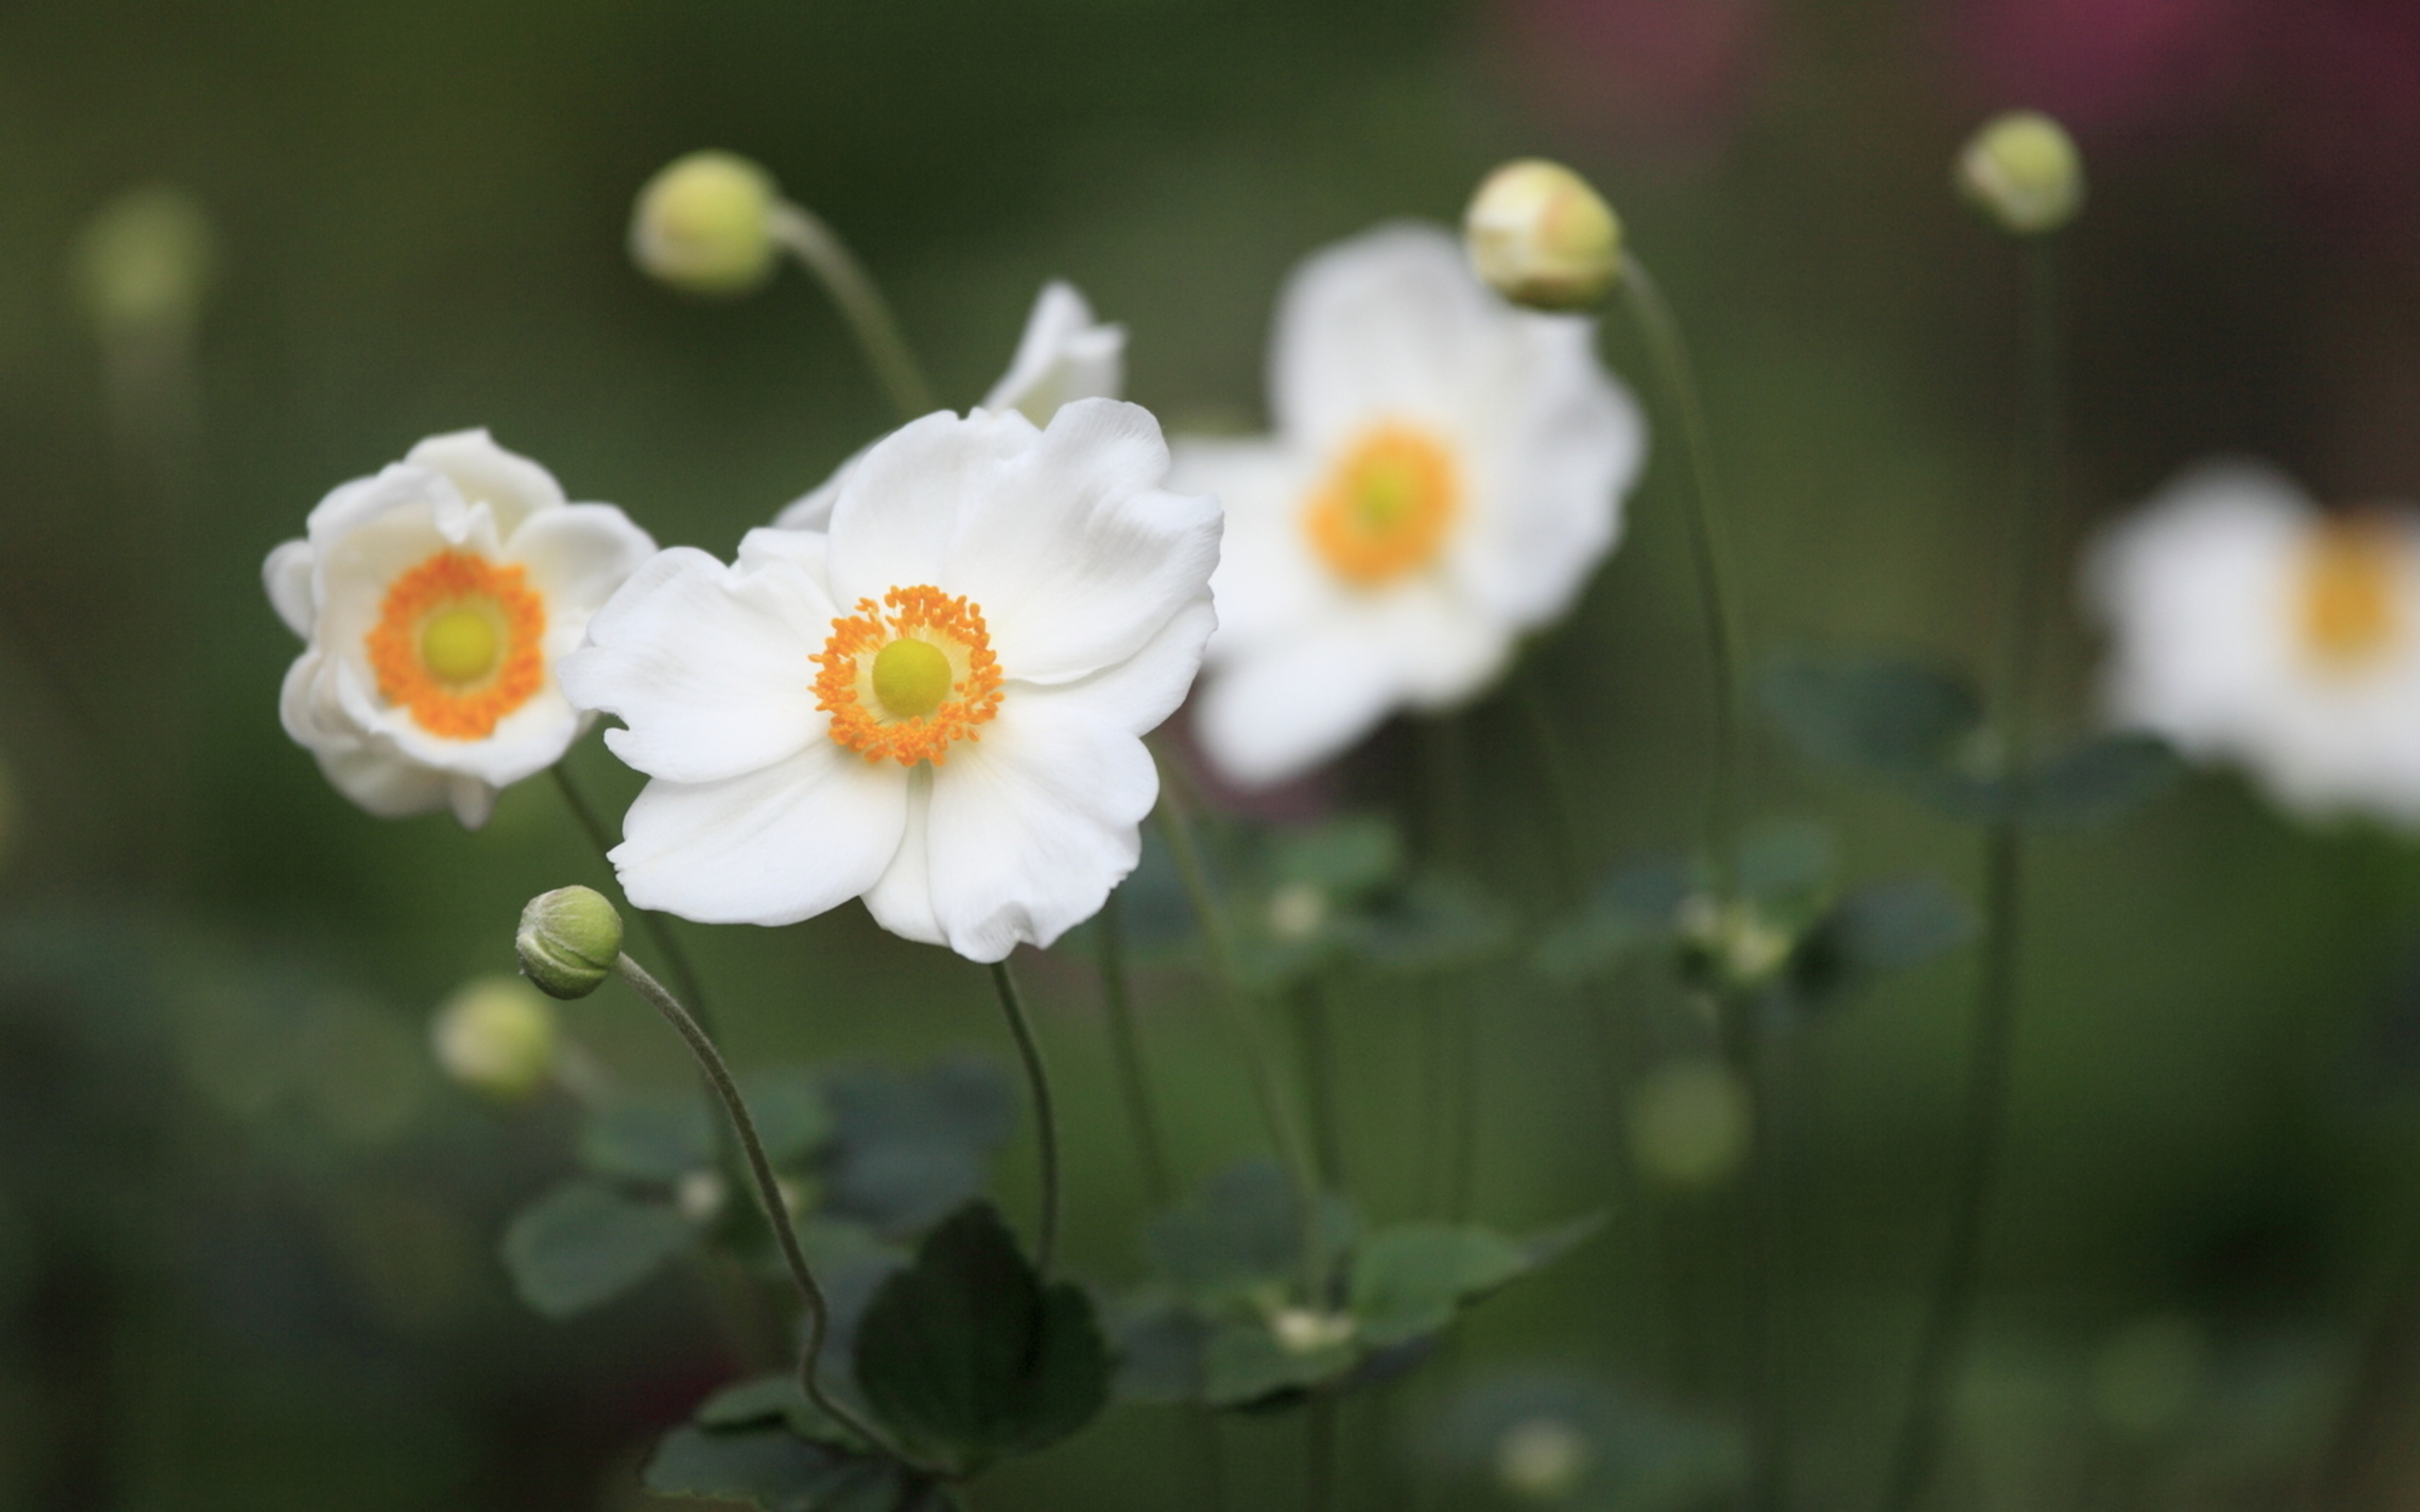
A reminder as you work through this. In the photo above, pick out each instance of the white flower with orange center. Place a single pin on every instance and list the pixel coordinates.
(1445, 476)
(1065, 354)
(937, 705)
(2249, 625)
(436, 599)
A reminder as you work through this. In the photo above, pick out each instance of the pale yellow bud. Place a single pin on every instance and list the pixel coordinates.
(1542, 1459)
(1300, 1330)
(145, 261)
(498, 1036)
(1296, 912)
(704, 224)
(568, 941)
(2022, 171)
(1689, 1122)
(1541, 236)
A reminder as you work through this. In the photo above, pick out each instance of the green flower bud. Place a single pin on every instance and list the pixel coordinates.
(496, 1035)
(2022, 171)
(569, 940)
(1690, 1123)
(1541, 236)
(704, 224)
(1542, 1459)
(145, 261)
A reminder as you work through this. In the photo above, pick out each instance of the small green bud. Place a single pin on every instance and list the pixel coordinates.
(569, 940)
(1542, 1459)
(704, 224)
(496, 1035)
(1541, 236)
(145, 261)
(1690, 1123)
(2021, 170)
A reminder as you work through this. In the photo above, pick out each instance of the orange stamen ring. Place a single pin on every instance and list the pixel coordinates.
(451, 707)
(844, 688)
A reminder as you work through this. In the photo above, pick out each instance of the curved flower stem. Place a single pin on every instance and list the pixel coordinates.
(1718, 591)
(659, 930)
(819, 250)
(1176, 825)
(1126, 1048)
(1045, 1116)
(1949, 1316)
(769, 1195)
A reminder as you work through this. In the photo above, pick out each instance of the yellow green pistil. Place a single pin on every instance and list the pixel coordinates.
(911, 678)
(460, 645)
(1390, 487)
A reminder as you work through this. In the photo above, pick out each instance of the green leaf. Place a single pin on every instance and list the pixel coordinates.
(1783, 865)
(1240, 1232)
(1880, 715)
(2100, 779)
(1434, 923)
(969, 1357)
(770, 1468)
(908, 1148)
(1244, 1364)
(1632, 908)
(654, 1137)
(584, 1243)
(792, 1116)
(775, 1397)
(1410, 1279)
(1344, 857)
(1161, 1345)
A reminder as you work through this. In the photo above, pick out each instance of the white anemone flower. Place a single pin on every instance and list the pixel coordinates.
(436, 599)
(1065, 354)
(937, 706)
(1446, 474)
(2247, 625)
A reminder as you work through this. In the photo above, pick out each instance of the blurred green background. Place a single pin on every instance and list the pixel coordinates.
(247, 1233)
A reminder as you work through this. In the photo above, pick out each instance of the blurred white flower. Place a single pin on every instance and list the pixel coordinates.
(999, 614)
(1065, 354)
(436, 599)
(1446, 474)
(2248, 626)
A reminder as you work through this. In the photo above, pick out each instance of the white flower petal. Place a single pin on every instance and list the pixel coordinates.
(1074, 552)
(1268, 581)
(710, 667)
(902, 505)
(287, 575)
(769, 847)
(1032, 826)
(472, 800)
(1064, 355)
(902, 901)
(812, 510)
(523, 744)
(1138, 693)
(383, 784)
(513, 487)
(577, 557)
(355, 570)
(1383, 326)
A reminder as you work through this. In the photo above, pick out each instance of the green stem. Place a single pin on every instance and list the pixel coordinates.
(1949, 1316)
(1126, 1048)
(1176, 826)
(819, 250)
(1321, 1443)
(1561, 784)
(659, 929)
(1461, 1175)
(769, 1195)
(1045, 1116)
(1316, 1027)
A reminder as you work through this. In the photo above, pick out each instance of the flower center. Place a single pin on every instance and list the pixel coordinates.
(906, 678)
(458, 645)
(1385, 505)
(2352, 606)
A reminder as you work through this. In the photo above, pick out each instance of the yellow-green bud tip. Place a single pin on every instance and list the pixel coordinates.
(496, 1035)
(2022, 171)
(1543, 1459)
(704, 224)
(1541, 236)
(570, 939)
(145, 261)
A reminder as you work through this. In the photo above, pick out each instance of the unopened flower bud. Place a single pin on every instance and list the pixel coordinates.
(700, 1194)
(1304, 1331)
(570, 939)
(496, 1035)
(704, 224)
(1542, 1459)
(2022, 170)
(1297, 911)
(143, 262)
(1541, 236)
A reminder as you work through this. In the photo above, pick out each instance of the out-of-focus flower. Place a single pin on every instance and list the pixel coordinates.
(2247, 625)
(568, 941)
(2021, 169)
(1648, 76)
(1446, 474)
(436, 599)
(144, 262)
(1540, 236)
(497, 1036)
(999, 612)
(1065, 354)
(704, 224)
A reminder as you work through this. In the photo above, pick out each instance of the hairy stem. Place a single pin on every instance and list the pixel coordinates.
(1045, 1116)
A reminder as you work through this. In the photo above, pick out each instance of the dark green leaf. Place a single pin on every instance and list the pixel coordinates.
(2100, 779)
(1161, 1345)
(792, 1116)
(1783, 865)
(1434, 923)
(909, 1148)
(1240, 1232)
(770, 1468)
(968, 1357)
(1245, 1364)
(659, 1136)
(1343, 857)
(1880, 715)
(1410, 1279)
(1633, 906)
(584, 1243)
